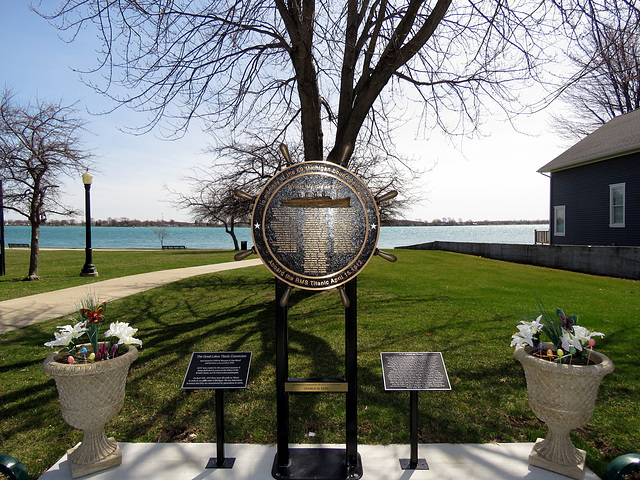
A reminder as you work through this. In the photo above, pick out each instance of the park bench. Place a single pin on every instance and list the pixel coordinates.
(174, 247)
(12, 245)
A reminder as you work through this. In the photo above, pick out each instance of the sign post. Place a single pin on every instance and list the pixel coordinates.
(218, 371)
(414, 371)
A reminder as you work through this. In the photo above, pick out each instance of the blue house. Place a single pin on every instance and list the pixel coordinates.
(595, 187)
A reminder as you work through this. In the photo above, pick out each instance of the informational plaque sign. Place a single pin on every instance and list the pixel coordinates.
(217, 370)
(414, 371)
(315, 225)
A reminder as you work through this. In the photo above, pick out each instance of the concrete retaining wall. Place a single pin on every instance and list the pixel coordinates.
(623, 262)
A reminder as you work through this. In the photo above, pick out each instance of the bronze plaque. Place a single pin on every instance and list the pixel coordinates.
(315, 225)
(316, 387)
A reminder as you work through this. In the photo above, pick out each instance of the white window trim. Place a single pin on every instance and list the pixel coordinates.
(612, 187)
(556, 209)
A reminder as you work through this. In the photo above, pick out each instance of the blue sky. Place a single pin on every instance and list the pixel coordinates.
(489, 178)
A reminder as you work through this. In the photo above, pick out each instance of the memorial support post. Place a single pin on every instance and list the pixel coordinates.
(282, 374)
(351, 371)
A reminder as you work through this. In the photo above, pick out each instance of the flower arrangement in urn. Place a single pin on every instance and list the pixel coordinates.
(91, 319)
(568, 342)
(563, 375)
(91, 378)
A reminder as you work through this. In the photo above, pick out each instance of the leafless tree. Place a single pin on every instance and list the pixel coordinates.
(606, 57)
(39, 144)
(248, 167)
(161, 233)
(313, 68)
(244, 167)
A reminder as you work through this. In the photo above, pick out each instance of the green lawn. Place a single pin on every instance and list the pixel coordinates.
(462, 306)
(61, 268)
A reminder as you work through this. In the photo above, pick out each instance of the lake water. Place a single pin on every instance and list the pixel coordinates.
(216, 238)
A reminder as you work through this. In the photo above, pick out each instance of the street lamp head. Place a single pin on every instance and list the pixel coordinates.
(87, 178)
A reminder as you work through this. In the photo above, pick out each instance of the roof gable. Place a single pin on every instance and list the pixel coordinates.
(619, 136)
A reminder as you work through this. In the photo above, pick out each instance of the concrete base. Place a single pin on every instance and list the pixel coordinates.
(80, 470)
(187, 461)
(573, 471)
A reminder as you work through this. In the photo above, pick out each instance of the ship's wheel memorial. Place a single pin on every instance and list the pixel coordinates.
(315, 226)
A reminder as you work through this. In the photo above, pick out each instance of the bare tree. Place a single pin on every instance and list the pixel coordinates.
(248, 167)
(214, 202)
(243, 167)
(161, 233)
(39, 144)
(310, 68)
(606, 57)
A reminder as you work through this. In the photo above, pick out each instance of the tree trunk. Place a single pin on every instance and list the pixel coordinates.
(299, 18)
(231, 231)
(35, 252)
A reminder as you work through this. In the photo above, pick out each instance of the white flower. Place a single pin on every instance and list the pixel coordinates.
(124, 332)
(526, 332)
(582, 336)
(567, 341)
(66, 334)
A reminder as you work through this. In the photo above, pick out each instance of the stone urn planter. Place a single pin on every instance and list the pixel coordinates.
(90, 395)
(562, 396)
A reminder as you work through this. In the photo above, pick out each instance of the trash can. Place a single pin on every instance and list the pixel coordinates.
(243, 245)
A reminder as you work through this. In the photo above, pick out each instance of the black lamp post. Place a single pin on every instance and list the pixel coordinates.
(89, 269)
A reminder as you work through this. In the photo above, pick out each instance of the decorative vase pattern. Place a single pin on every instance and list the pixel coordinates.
(90, 395)
(562, 396)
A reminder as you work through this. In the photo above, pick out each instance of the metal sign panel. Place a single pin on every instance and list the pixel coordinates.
(217, 370)
(414, 371)
(315, 225)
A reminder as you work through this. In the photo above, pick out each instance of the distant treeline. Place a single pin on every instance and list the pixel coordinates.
(126, 222)
(450, 221)
(112, 222)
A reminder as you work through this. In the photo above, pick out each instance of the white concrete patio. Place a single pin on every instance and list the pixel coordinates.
(187, 461)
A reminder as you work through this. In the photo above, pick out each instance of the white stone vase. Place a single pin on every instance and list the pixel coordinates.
(562, 396)
(90, 395)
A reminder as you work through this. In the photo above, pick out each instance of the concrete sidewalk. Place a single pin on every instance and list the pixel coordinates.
(187, 461)
(20, 312)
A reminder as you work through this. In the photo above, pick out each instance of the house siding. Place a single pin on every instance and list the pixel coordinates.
(584, 191)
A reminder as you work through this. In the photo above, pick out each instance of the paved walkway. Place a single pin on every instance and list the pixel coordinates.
(20, 312)
(187, 461)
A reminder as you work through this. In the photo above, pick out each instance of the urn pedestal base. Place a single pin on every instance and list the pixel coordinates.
(81, 469)
(575, 470)
(563, 396)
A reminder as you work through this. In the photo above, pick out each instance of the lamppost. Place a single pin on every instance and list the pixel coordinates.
(89, 269)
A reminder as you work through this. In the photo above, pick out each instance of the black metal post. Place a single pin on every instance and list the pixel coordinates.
(89, 269)
(220, 427)
(413, 429)
(413, 463)
(282, 375)
(220, 461)
(2, 262)
(351, 371)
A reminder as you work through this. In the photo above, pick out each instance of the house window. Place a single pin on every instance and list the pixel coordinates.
(559, 220)
(616, 205)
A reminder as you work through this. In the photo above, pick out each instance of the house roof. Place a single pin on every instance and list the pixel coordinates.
(619, 136)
